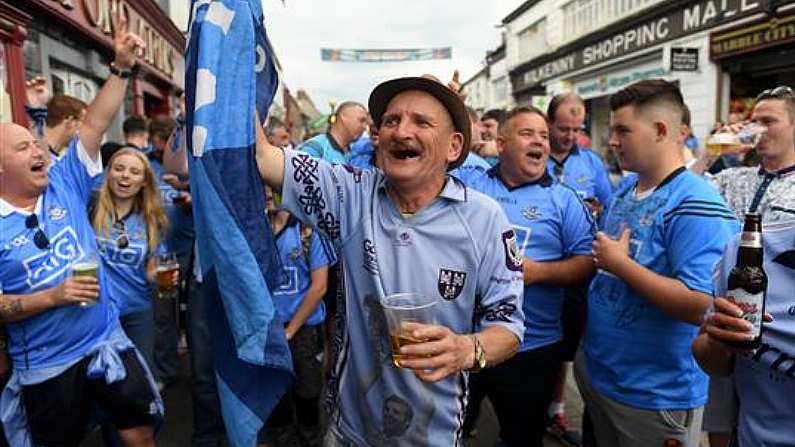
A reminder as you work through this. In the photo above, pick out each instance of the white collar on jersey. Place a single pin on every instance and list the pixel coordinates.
(6, 208)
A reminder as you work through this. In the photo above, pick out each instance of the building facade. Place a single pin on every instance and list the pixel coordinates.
(720, 52)
(70, 43)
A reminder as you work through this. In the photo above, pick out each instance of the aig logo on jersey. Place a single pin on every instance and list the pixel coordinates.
(513, 260)
(56, 212)
(451, 283)
(45, 266)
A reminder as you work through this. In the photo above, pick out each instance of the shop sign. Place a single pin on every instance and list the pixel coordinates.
(98, 17)
(684, 59)
(676, 23)
(612, 83)
(753, 37)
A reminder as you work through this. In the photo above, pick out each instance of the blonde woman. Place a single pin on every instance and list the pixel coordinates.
(130, 223)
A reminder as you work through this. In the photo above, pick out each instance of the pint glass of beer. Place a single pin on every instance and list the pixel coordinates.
(400, 310)
(727, 142)
(87, 265)
(166, 266)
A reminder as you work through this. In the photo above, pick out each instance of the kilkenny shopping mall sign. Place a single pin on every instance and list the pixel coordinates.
(680, 19)
(752, 37)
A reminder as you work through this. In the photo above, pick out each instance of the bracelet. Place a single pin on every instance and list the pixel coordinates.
(124, 74)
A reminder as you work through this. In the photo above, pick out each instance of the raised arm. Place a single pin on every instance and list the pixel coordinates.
(270, 160)
(106, 104)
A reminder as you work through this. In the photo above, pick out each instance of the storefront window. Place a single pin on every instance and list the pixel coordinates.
(501, 90)
(65, 82)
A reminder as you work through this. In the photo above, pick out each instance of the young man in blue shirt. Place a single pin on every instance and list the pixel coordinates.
(763, 378)
(67, 358)
(554, 233)
(409, 227)
(665, 229)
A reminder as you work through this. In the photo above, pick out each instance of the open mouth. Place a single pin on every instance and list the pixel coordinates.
(405, 153)
(38, 167)
(536, 154)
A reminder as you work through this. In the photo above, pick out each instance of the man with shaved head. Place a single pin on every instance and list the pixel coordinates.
(345, 125)
(68, 350)
(664, 231)
(408, 227)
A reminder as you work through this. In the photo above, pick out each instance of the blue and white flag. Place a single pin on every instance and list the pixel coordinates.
(229, 75)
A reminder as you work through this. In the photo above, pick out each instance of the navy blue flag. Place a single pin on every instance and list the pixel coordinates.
(229, 76)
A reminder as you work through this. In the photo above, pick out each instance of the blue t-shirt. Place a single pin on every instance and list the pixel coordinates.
(636, 354)
(362, 153)
(299, 265)
(180, 235)
(551, 224)
(459, 249)
(61, 334)
(765, 381)
(583, 171)
(128, 286)
(473, 167)
(325, 148)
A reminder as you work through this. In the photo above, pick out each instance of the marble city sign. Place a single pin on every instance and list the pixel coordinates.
(637, 36)
(752, 37)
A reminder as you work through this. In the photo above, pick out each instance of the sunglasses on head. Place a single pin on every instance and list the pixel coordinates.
(39, 238)
(122, 241)
(777, 93)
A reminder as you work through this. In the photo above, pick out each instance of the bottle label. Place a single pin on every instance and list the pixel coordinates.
(751, 240)
(751, 305)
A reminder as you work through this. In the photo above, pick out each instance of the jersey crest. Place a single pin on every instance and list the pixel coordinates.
(513, 259)
(451, 283)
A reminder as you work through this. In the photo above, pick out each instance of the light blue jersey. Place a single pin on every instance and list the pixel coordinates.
(474, 166)
(127, 285)
(583, 171)
(325, 148)
(299, 264)
(62, 334)
(459, 249)
(635, 353)
(765, 381)
(551, 224)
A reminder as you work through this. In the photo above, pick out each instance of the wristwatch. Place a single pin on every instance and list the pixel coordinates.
(124, 74)
(479, 362)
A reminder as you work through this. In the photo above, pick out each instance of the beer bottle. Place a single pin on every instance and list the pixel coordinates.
(748, 281)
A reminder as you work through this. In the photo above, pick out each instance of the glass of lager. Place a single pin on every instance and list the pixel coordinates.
(402, 309)
(87, 265)
(727, 142)
(166, 266)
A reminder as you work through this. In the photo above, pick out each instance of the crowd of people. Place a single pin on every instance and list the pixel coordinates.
(533, 255)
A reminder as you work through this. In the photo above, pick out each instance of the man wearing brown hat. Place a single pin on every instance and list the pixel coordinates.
(409, 228)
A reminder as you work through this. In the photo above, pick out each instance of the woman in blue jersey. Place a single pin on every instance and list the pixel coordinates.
(306, 259)
(130, 222)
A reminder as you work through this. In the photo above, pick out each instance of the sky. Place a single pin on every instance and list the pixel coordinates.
(301, 28)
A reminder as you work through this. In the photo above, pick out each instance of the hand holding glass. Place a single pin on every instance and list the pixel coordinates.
(167, 265)
(401, 310)
(87, 265)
